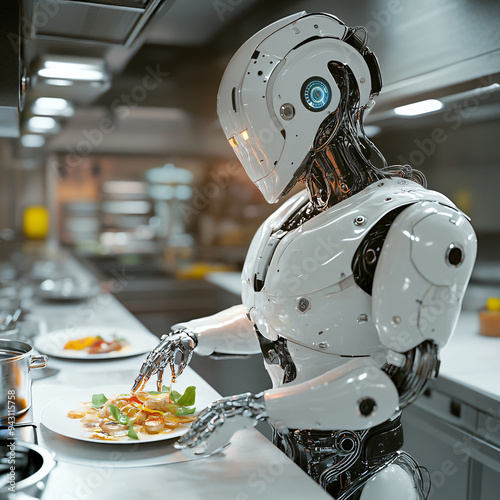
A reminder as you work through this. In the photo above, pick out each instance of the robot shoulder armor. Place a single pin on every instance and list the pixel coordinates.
(421, 276)
(442, 241)
(319, 253)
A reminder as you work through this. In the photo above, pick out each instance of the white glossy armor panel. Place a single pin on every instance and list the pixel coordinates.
(392, 483)
(332, 399)
(313, 263)
(417, 292)
(228, 332)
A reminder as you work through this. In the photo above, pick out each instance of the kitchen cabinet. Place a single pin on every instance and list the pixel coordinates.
(454, 431)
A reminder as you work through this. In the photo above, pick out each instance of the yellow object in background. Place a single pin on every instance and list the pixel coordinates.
(493, 304)
(489, 318)
(197, 270)
(36, 222)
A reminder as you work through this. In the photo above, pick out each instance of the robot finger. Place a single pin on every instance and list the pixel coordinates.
(159, 379)
(144, 375)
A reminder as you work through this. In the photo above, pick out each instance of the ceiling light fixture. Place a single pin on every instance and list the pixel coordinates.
(60, 70)
(53, 106)
(58, 83)
(32, 141)
(42, 124)
(419, 108)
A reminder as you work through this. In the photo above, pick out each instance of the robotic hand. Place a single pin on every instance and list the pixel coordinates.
(174, 350)
(227, 332)
(217, 423)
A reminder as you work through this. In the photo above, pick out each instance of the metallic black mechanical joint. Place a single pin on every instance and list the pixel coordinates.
(365, 259)
(375, 74)
(277, 353)
(383, 440)
(422, 364)
(354, 40)
(341, 459)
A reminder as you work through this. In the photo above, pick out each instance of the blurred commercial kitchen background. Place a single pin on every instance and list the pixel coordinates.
(119, 140)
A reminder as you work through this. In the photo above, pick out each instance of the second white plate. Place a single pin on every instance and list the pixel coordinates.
(53, 343)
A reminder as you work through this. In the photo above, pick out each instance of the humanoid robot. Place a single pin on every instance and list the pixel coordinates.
(349, 289)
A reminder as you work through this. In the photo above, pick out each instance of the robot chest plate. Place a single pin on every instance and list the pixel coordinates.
(303, 289)
(300, 285)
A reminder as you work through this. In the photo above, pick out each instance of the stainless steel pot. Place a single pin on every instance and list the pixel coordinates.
(16, 360)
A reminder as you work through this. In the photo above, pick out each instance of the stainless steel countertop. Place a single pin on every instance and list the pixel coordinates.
(251, 468)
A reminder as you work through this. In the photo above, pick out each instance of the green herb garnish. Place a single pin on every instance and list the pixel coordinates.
(164, 389)
(123, 419)
(131, 433)
(185, 411)
(98, 400)
(175, 396)
(120, 417)
(187, 399)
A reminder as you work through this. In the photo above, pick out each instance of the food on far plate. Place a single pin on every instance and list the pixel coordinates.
(97, 344)
(135, 416)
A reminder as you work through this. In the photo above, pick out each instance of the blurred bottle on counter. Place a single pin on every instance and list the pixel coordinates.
(36, 222)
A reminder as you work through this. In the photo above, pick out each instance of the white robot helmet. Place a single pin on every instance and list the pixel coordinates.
(278, 89)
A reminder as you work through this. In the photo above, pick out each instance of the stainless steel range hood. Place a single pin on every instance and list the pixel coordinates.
(104, 22)
(12, 85)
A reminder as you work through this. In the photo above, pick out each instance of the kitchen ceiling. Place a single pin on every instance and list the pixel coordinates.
(166, 58)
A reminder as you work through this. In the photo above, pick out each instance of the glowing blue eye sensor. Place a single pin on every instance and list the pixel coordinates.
(316, 93)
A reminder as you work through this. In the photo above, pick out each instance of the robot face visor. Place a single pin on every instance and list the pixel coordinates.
(249, 151)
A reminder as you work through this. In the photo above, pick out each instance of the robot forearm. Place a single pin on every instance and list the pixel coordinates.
(355, 396)
(228, 332)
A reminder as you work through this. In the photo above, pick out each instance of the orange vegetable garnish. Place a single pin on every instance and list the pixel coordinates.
(80, 344)
(134, 399)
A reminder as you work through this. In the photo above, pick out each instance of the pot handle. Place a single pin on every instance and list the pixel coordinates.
(38, 361)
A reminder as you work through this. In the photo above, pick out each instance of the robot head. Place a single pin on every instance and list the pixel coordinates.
(280, 88)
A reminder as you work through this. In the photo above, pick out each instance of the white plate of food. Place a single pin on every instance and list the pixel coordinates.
(94, 342)
(142, 417)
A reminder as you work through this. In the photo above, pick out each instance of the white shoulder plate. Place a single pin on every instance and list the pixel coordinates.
(308, 293)
(421, 276)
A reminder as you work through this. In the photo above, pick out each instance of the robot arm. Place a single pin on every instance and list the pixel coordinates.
(421, 276)
(419, 282)
(227, 332)
(355, 396)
